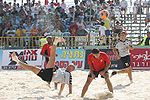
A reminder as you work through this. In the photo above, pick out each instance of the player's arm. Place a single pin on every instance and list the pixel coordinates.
(61, 88)
(90, 64)
(70, 89)
(107, 64)
(129, 47)
(116, 52)
(45, 55)
(43, 52)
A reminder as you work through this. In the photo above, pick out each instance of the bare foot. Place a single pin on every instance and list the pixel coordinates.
(14, 57)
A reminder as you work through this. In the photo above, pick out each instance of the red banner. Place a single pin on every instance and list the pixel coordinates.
(140, 58)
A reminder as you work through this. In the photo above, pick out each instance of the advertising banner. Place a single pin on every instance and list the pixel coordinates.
(115, 64)
(66, 56)
(30, 56)
(140, 58)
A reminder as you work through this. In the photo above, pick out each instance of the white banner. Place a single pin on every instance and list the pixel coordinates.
(67, 56)
(30, 56)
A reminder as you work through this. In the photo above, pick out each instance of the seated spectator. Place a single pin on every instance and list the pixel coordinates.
(124, 5)
(81, 28)
(20, 32)
(73, 29)
(63, 4)
(56, 32)
(34, 31)
(118, 28)
(10, 32)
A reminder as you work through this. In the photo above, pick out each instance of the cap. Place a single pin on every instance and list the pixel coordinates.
(48, 36)
(71, 64)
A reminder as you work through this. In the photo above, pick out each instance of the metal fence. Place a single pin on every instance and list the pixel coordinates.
(71, 42)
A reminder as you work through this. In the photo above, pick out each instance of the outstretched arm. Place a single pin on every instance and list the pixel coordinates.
(116, 52)
(70, 89)
(61, 88)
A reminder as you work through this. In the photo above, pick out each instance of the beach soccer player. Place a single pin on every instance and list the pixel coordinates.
(99, 63)
(122, 51)
(45, 52)
(48, 73)
(64, 77)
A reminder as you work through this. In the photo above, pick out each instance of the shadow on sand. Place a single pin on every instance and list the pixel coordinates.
(120, 86)
(104, 95)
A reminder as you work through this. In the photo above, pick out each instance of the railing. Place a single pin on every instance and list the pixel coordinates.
(71, 42)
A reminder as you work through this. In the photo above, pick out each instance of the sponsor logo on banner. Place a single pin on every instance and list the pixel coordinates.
(30, 56)
(66, 56)
(140, 58)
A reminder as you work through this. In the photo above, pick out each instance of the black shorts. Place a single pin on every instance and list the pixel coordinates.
(96, 73)
(125, 61)
(46, 74)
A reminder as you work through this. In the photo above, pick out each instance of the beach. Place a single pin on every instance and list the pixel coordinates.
(24, 85)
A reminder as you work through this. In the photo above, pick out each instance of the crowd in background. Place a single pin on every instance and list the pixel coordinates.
(55, 18)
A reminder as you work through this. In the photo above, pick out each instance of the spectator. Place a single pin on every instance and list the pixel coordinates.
(146, 40)
(102, 35)
(73, 29)
(76, 2)
(123, 5)
(78, 11)
(81, 28)
(118, 28)
(135, 7)
(63, 5)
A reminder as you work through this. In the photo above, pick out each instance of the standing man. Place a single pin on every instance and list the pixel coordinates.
(45, 52)
(99, 63)
(122, 51)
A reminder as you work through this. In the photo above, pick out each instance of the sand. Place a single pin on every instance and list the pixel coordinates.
(24, 85)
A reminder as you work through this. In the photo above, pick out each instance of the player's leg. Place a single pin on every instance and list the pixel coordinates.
(85, 88)
(32, 68)
(109, 85)
(125, 65)
(55, 85)
(129, 71)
